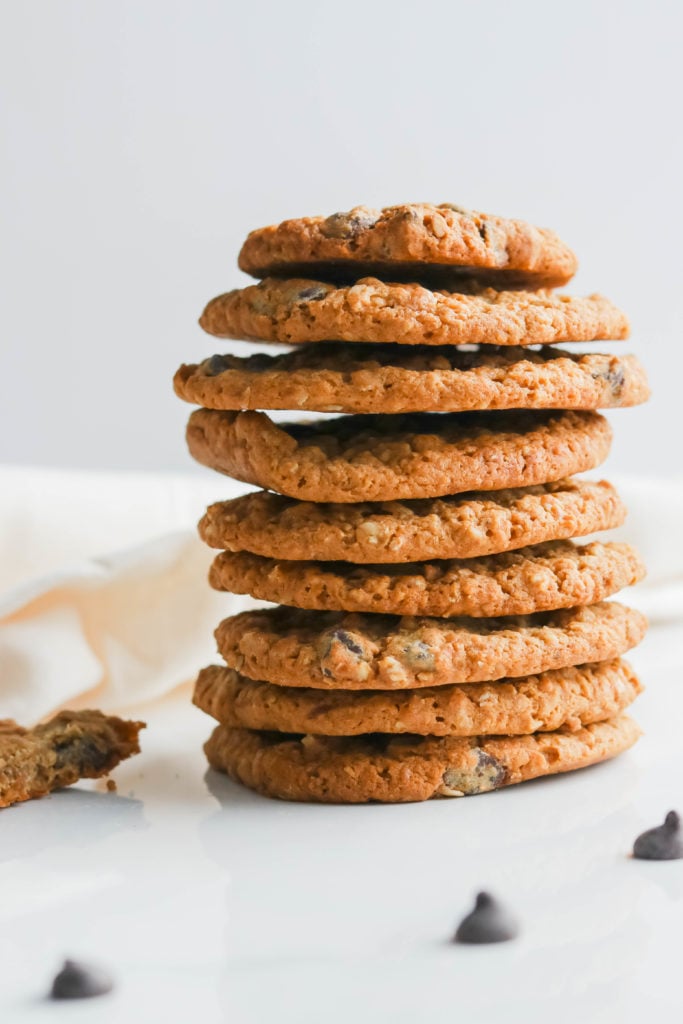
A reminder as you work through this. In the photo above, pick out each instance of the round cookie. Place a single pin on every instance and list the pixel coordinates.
(301, 310)
(335, 377)
(334, 650)
(410, 242)
(558, 574)
(466, 526)
(384, 457)
(568, 697)
(399, 769)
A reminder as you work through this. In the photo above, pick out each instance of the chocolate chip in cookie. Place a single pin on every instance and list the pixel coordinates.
(342, 652)
(313, 292)
(348, 225)
(486, 774)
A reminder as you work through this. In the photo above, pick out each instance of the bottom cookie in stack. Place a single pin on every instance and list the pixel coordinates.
(391, 769)
(345, 708)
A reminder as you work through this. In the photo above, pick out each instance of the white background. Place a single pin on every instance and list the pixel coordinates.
(142, 140)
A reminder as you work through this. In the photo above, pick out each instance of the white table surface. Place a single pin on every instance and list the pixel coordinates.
(209, 903)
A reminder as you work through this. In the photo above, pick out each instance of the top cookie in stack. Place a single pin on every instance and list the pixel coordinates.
(443, 494)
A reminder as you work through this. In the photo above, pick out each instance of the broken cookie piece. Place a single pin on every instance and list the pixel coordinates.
(71, 746)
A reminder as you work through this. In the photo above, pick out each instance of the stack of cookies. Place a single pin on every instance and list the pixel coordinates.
(437, 628)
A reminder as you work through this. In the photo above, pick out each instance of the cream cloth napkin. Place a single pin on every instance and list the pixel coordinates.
(103, 593)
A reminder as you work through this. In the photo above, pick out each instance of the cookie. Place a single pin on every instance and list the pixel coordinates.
(300, 310)
(335, 377)
(409, 242)
(568, 697)
(466, 526)
(384, 458)
(558, 574)
(399, 769)
(333, 650)
(71, 746)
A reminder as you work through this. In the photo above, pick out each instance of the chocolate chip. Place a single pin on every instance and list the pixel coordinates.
(342, 655)
(348, 225)
(82, 752)
(312, 292)
(78, 981)
(346, 640)
(661, 843)
(214, 365)
(485, 775)
(614, 375)
(488, 922)
(418, 655)
(616, 380)
(489, 770)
